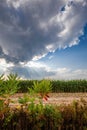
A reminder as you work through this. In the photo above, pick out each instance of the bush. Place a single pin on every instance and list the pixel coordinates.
(40, 117)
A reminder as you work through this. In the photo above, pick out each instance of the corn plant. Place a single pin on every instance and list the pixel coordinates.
(42, 88)
(11, 84)
(1, 84)
(9, 87)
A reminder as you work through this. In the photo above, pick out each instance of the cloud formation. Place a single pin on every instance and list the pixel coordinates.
(37, 70)
(69, 74)
(31, 29)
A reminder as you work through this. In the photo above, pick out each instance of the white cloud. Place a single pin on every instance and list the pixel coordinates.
(4, 66)
(33, 64)
(35, 28)
(3, 63)
(15, 3)
(38, 70)
(72, 22)
(44, 71)
(30, 29)
(69, 74)
(35, 58)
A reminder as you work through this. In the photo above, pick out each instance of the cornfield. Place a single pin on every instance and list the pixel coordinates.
(31, 115)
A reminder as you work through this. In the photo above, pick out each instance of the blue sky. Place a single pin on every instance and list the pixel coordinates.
(72, 57)
(44, 39)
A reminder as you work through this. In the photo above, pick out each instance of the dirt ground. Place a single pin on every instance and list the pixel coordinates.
(66, 98)
(54, 98)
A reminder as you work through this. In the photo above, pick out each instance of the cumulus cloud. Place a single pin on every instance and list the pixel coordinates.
(69, 74)
(32, 70)
(31, 29)
(4, 66)
(37, 70)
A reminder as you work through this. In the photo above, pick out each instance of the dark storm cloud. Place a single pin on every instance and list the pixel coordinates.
(1, 51)
(34, 27)
(20, 34)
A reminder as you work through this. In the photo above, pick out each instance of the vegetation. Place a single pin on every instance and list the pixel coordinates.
(13, 83)
(69, 86)
(57, 85)
(42, 88)
(40, 117)
(31, 113)
(9, 86)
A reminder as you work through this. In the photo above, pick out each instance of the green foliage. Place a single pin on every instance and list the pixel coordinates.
(1, 104)
(11, 84)
(24, 100)
(69, 86)
(24, 85)
(1, 83)
(1, 79)
(43, 88)
(45, 117)
(53, 115)
(33, 114)
(56, 85)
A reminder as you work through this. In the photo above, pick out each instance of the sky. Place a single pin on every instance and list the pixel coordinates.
(44, 38)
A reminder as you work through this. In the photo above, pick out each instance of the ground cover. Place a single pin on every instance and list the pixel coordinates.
(54, 98)
(39, 108)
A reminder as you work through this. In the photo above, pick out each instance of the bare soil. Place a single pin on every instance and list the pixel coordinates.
(54, 98)
(66, 98)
